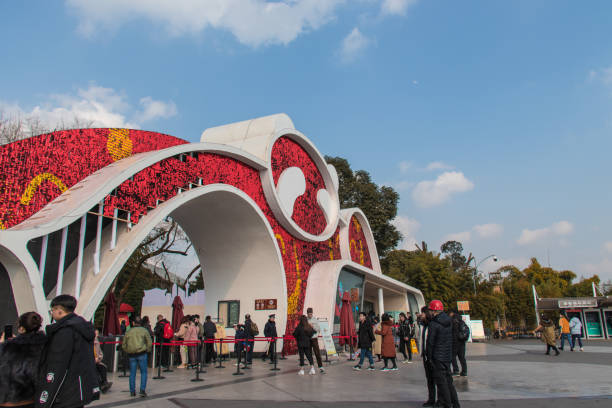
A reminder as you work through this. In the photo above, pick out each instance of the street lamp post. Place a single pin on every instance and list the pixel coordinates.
(477, 265)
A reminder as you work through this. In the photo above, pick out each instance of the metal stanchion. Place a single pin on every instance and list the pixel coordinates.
(201, 363)
(220, 346)
(170, 358)
(125, 363)
(238, 363)
(246, 354)
(275, 357)
(197, 370)
(159, 363)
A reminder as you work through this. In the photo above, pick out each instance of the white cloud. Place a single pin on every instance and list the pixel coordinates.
(602, 268)
(483, 231)
(252, 22)
(430, 193)
(608, 246)
(396, 7)
(438, 165)
(104, 107)
(353, 45)
(561, 228)
(408, 227)
(489, 230)
(464, 236)
(490, 265)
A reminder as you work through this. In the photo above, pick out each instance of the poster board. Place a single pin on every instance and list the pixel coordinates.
(328, 341)
(477, 330)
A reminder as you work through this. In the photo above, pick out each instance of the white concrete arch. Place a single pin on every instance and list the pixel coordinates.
(233, 240)
(345, 245)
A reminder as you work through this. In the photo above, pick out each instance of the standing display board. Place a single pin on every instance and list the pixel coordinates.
(328, 341)
(477, 330)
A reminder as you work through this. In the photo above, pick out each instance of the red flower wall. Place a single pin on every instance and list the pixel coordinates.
(360, 252)
(71, 156)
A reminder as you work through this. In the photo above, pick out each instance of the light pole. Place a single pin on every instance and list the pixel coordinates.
(477, 265)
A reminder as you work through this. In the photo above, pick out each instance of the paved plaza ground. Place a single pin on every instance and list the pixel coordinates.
(505, 373)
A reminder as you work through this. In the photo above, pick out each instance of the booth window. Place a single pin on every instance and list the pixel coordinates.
(229, 312)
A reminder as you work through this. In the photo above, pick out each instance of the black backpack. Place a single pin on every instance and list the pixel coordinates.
(464, 332)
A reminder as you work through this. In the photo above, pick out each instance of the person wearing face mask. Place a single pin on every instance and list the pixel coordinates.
(19, 360)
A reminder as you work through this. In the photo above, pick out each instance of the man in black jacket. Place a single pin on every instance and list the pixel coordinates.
(163, 352)
(210, 329)
(270, 332)
(423, 320)
(68, 369)
(365, 338)
(439, 349)
(249, 331)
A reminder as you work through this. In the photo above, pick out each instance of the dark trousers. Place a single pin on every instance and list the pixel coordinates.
(314, 344)
(271, 349)
(459, 352)
(403, 345)
(549, 347)
(101, 368)
(386, 360)
(163, 354)
(447, 395)
(305, 351)
(209, 350)
(431, 384)
(249, 353)
(574, 338)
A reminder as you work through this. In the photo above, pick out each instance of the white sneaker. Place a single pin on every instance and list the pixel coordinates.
(321, 370)
(301, 372)
(581, 349)
(312, 371)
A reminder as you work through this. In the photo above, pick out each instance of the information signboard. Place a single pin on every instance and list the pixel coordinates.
(463, 305)
(477, 330)
(328, 341)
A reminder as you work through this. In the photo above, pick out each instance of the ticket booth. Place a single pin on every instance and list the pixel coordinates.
(593, 324)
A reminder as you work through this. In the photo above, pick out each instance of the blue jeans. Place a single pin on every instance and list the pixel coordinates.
(574, 337)
(138, 362)
(362, 355)
(565, 336)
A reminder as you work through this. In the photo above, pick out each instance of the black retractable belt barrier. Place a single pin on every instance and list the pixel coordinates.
(197, 372)
(125, 363)
(170, 358)
(159, 363)
(201, 355)
(246, 354)
(219, 349)
(351, 349)
(275, 357)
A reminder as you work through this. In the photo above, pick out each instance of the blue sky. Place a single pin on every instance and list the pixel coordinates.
(492, 119)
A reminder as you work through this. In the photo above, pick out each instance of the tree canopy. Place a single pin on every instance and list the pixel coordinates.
(378, 203)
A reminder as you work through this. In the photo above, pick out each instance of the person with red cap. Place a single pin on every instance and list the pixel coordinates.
(440, 352)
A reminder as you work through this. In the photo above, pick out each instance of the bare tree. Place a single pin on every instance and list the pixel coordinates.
(17, 127)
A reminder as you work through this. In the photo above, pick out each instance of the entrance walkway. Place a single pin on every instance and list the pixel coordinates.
(500, 373)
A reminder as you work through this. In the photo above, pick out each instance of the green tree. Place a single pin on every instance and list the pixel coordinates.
(378, 203)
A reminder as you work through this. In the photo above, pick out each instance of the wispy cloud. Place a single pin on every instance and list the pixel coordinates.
(558, 229)
(464, 236)
(353, 45)
(603, 75)
(408, 227)
(105, 107)
(430, 193)
(608, 246)
(483, 231)
(405, 166)
(438, 165)
(396, 7)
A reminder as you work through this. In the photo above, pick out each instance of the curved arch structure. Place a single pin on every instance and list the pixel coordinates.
(256, 198)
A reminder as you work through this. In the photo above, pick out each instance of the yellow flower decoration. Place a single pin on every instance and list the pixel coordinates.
(36, 182)
(2, 226)
(119, 144)
(292, 302)
(282, 242)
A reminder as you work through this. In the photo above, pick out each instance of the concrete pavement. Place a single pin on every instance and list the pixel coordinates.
(502, 374)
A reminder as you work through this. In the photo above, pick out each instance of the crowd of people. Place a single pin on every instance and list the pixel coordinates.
(570, 330)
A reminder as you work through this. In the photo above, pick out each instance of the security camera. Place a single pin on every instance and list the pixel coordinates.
(494, 259)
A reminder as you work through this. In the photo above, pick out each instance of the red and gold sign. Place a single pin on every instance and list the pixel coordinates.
(463, 305)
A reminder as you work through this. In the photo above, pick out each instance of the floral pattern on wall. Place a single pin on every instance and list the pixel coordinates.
(358, 244)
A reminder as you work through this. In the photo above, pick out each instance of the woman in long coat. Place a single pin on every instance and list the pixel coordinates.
(388, 342)
(377, 345)
(547, 328)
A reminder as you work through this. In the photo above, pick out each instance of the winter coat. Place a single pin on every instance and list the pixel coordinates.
(270, 329)
(68, 375)
(388, 342)
(365, 335)
(182, 331)
(302, 336)
(210, 328)
(440, 338)
(136, 341)
(377, 346)
(19, 360)
(159, 330)
(564, 324)
(404, 330)
(548, 332)
(191, 334)
(575, 325)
